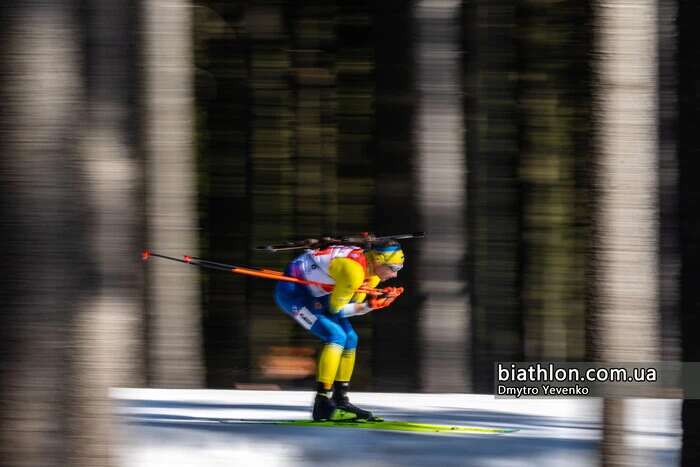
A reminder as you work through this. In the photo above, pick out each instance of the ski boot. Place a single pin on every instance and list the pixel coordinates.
(341, 400)
(326, 410)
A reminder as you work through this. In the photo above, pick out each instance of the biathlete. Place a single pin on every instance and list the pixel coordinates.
(325, 313)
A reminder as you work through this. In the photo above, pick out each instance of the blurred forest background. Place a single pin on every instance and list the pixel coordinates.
(548, 149)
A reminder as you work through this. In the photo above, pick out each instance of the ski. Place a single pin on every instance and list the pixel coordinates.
(384, 425)
(363, 240)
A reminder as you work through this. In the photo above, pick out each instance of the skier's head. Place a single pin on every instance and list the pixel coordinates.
(387, 259)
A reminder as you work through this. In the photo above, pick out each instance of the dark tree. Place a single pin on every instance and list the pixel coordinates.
(689, 213)
(493, 204)
(395, 356)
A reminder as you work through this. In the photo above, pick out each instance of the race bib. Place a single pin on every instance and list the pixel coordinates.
(305, 318)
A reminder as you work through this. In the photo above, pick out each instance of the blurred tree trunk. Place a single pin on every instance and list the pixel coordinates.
(444, 329)
(70, 187)
(47, 271)
(175, 347)
(395, 346)
(313, 68)
(689, 213)
(223, 135)
(271, 172)
(356, 100)
(554, 129)
(626, 190)
(107, 330)
(493, 188)
(669, 245)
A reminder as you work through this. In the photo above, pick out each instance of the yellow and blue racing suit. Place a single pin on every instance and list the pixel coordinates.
(325, 313)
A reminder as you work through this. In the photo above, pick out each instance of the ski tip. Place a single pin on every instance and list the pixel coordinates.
(145, 255)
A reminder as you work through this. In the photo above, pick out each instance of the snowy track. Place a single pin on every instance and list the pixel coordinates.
(177, 428)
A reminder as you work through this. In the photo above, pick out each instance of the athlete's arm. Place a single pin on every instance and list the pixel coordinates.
(348, 275)
(373, 281)
(389, 294)
(354, 309)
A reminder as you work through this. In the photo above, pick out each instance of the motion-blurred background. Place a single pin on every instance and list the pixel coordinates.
(548, 149)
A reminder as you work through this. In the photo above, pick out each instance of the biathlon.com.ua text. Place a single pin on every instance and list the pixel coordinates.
(515, 380)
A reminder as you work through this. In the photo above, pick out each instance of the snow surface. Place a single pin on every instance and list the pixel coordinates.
(177, 428)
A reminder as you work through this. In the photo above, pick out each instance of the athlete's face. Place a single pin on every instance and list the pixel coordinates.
(386, 271)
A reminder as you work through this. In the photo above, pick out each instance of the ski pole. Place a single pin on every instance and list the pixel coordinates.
(251, 271)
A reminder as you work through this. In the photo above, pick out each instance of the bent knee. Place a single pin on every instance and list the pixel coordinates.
(351, 340)
(338, 337)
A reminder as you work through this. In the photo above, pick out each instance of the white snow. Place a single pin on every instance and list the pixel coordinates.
(174, 428)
